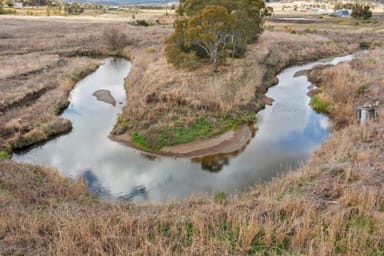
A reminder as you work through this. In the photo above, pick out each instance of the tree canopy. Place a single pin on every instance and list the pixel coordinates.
(209, 30)
(213, 29)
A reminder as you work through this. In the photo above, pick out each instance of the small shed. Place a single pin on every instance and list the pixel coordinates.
(18, 5)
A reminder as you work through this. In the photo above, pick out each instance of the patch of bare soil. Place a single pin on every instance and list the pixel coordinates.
(223, 144)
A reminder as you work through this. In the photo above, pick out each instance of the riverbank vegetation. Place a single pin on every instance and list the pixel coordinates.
(163, 100)
(342, 93)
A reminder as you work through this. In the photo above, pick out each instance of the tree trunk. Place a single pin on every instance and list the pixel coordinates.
(214, 57)
(234, 46)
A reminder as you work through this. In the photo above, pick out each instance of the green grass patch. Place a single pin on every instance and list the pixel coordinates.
(220, 197)
(227, 234)
(364, 45)
(4, 155)
(319, 105)
(200, 129)
(179, 133)
(197, 129)
(140, 140)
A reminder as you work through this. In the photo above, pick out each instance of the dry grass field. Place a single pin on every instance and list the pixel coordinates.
(332, 205)
(350, 85)
(41, 59)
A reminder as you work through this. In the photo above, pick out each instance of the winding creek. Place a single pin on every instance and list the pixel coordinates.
(287, 134)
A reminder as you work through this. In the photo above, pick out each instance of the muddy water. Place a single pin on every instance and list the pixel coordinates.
(287, 134)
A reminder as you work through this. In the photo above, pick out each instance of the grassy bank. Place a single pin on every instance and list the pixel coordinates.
(34, 94)
(349, 85)
(204, 128)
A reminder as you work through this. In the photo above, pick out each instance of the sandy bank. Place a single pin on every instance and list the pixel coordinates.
(228, 142)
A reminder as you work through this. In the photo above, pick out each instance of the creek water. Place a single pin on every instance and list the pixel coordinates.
(287, 133)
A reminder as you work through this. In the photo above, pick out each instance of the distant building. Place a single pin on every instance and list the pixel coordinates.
(113, 8)
(341, 13)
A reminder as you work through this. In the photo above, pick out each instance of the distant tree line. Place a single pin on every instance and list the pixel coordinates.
(214, 29)
(60, 8)
(36, 2)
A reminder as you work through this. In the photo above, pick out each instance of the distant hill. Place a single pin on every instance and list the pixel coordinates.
(126, 2)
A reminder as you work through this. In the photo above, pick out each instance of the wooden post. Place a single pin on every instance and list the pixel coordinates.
(367, 113)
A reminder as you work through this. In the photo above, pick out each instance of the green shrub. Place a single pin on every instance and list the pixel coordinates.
(4, 155)
(73, 8)
(339, 6)
(60, 106)
(51, 132)
(143, 23)
(319, 105)
(364, 45)
(361, 11)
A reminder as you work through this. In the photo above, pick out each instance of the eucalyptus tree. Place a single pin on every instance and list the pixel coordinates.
(205, 28)
(210, 30)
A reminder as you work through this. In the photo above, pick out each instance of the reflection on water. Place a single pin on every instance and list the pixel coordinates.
(287, 134)
(95, 186)
(136, 192)
(216, 163)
